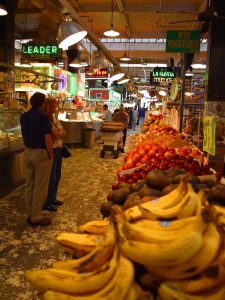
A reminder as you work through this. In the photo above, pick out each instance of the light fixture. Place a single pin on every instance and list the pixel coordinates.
(162, 93)
(75, 63)
(111, 32)
(69, 32)
(188, 94)
(24, 62)
(125, 57)
(3, 11)
(189, 73)
(123, 81)
(198, 66)
(116, 75)
(99, 61)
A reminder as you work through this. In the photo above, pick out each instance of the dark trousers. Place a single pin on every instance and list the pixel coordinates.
(55, 176)
(124, 136)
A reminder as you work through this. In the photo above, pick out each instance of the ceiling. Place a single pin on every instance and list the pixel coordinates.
(144, 22)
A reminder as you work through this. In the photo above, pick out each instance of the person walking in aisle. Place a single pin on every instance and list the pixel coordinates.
(135, 118)
(123, 117)
(38, 154)
(107, 116)
(57, 134)
(130, 113)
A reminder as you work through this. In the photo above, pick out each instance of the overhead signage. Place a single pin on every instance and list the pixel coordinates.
(100, 73)
(183, 41)
(99, 94)
(159, 75)
(209, 133)
(43, 51)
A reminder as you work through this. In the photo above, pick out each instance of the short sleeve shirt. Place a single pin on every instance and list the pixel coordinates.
(34, 126)
(107, 116)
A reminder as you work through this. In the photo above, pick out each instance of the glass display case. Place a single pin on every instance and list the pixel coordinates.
(10, 130)
(11, 150)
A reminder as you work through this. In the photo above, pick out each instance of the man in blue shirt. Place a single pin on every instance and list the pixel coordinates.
(37, 136)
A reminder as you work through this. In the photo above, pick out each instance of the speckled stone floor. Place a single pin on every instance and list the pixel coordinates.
(86, 180)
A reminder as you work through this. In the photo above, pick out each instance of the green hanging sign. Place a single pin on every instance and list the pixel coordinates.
(187, 41)
(43, 51)
(209, 133)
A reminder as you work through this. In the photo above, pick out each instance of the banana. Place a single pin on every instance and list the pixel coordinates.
(206, 255)
(162, 225)
(166, 293)
(199, 285)
(95, 227)
(94, 259)
(79, 241)
(160, 254)
(133, 214)
(71, 282)
(117, 288)
(152, 235)
(185, 208)
(169, 200)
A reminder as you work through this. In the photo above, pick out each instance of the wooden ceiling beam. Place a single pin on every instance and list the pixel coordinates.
(125, 17)
(45, 10)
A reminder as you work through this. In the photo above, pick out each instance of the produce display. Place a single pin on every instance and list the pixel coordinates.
(148, 157)
(171, 248)
(161, 236)
(153, 119)
(163, 135)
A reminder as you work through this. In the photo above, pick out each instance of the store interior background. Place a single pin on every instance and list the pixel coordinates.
(143, 25)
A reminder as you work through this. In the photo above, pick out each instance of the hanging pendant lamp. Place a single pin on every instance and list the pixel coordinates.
(116, 75)
(111, 32)
(99, 61)
(3, 11)
(69, 32)
(123, 81)
(75, 63)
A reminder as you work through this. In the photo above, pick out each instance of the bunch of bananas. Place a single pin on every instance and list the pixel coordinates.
(102, 273)
(178, 238)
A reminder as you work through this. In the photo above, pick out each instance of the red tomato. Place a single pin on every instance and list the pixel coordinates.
(145, 159)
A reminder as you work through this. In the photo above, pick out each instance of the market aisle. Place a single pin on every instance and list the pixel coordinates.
(86, 180)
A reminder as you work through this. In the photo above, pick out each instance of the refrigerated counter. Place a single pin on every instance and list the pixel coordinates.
(11, 151)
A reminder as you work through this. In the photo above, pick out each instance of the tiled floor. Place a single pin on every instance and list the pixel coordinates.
(86, 180)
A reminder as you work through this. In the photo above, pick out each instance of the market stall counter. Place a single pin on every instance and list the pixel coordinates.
(11, 151)
(74, 121)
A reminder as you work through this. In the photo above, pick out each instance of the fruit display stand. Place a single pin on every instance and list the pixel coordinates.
(112, 138)
(162, 236)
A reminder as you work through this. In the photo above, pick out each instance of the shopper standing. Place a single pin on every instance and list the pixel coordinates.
(107, 116)
(57, 133)
(123, 117)
(37, 136)
(135, 118)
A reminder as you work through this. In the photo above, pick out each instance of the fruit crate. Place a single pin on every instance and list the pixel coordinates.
(112, 141)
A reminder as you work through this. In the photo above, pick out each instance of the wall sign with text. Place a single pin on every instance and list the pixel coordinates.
(42, 51)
